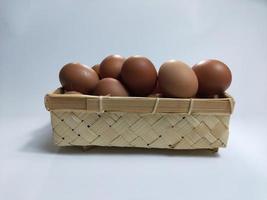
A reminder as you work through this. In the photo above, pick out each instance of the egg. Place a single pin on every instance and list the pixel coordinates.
(110, 86)
(78, 77)
(96, 69)
(214, 77)
(111, 66)
(139, 75)
(156, 95)
(156, 89)
(177, 79)
(71, 92)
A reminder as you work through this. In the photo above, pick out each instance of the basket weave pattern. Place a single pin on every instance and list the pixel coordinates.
(170, 123)
(160, 130)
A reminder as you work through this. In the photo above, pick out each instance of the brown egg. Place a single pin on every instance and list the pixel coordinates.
(156, 88)
(71, 92)
(139, 75)
(110, 86)
(155, 95)
(156, 91)
(96, 68)
(177, 79)
(78, 77)
(111, 66)
(214, 77)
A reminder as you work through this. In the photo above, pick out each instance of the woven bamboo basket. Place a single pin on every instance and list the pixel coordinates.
(146, 122)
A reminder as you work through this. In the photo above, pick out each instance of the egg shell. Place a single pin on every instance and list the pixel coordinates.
(139, 75)
(155, 95)
(110, 86)
(156, 89)
(214, 77)
(111, 66)
(78, 77)
(177, 79)
(71, 92)
(96, 69)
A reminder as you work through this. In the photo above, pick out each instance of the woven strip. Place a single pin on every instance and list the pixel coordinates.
(76, 102)
(160, 130)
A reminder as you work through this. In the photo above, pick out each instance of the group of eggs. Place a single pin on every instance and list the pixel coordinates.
(137, 76)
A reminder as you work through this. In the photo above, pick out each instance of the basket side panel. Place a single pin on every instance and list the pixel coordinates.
(161, 130)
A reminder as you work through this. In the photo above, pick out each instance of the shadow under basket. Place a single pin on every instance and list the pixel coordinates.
(146, 122)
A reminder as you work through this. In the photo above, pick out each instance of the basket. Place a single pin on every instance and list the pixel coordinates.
(146, 122)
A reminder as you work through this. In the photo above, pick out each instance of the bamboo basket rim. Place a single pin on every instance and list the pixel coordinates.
(57, 100)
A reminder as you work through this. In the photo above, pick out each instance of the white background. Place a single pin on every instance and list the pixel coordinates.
(38, 37)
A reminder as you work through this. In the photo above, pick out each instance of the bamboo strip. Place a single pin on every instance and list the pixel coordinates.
(57, 101)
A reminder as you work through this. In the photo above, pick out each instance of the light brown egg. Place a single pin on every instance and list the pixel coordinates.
(78, 77)
(110, 86)
(177, 79)
(110, 67)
